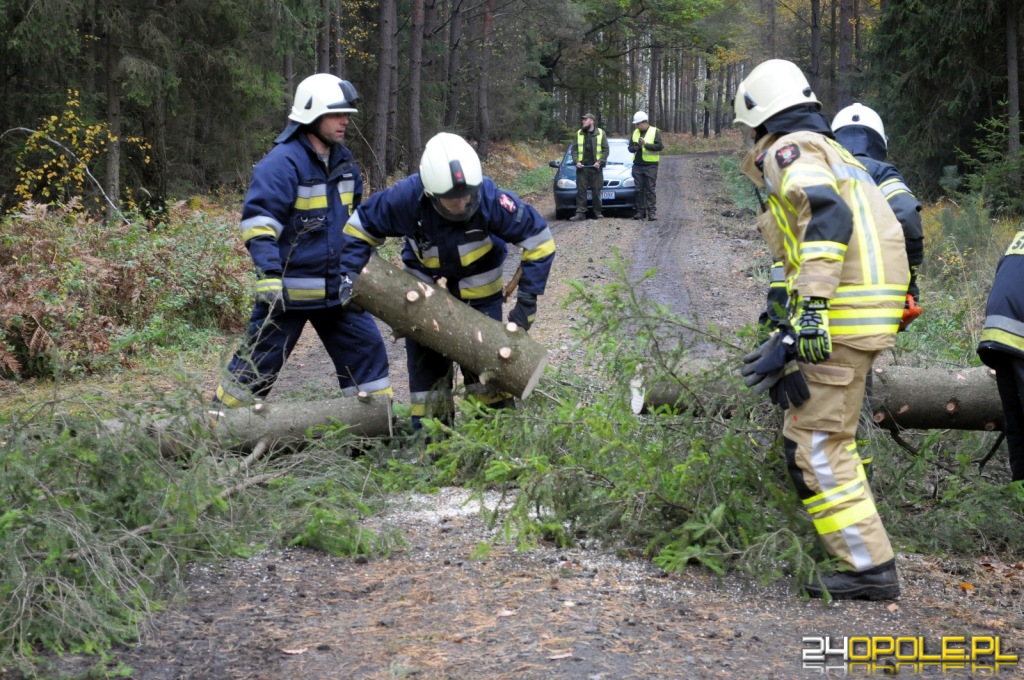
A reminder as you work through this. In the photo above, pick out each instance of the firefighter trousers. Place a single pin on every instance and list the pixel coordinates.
(1010, 383)
(432, 376)
(821, 454)
(351, 339)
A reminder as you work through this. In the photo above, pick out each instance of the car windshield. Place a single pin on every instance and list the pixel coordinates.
(618, 153)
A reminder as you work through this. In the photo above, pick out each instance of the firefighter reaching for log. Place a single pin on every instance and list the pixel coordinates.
(846, 272)
(301, 194)
(455, 224)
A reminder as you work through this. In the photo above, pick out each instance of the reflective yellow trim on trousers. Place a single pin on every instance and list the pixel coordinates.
(842, 488)
(228, 400)
(845, 518)
(1003, 338)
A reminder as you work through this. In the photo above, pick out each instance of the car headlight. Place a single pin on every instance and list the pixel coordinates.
(565, 184)
(628, 184)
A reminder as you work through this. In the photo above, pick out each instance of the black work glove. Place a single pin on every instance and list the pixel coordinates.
(525, 311)
(270, 292)
(773, 368)
(345, 293)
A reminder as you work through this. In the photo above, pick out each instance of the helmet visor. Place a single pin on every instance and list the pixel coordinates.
(458, 208)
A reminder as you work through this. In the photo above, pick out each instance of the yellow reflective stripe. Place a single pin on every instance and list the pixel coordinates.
(826, 494)
(474, 255)
(311, 203)
(488, 399)
(302, 294)
(267, 285)
(541, 251)
(1003, 338)
(352, 230)
(872, 263)
(262, 230)
(823, 250)
(842, 498)
(477, 292)
(228, 399)
(418, 410)
(788, 238)
(864, 321)
(873, 294)
(807, 176)
(845, 518)
(429, 262)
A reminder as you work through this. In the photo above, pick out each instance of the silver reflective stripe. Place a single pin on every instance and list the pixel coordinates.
(356, 223)
(892, 186)
(467, 248)
(305, 284)
(536, 240)
(778, 273)
(429, 397)
(310, 192)
(483, 279)
(261, 221)
(1005, 323)
(844, 171)
(431, 253)
(899, 292)
(346, 186)
(865, 320)
(827, 480)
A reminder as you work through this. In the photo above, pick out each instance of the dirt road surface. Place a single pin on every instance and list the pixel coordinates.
(430, 611)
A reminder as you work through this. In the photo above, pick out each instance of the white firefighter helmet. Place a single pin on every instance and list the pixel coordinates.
(639, 117)
(320, 94)
(858, 114)
(450, 168)
(773, 86)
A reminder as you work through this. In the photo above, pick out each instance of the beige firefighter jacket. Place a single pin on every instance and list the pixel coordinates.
(835, 233)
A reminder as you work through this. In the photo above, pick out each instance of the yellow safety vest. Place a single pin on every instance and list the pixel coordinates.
(598, 143)
(647, 155)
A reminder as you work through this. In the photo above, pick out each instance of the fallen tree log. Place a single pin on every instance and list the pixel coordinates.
(239, 430)
(503, 355)
(903, 397)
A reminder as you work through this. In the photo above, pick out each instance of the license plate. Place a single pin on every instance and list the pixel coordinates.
(607, 195)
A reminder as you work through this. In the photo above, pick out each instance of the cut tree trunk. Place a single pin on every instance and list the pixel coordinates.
(902, 397)
(239, 430)
(503, 355)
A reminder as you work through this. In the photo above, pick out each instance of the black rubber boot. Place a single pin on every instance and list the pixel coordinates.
(879, 583)
(640, 215)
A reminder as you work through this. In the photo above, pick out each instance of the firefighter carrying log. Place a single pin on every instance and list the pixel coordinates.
(846, 273)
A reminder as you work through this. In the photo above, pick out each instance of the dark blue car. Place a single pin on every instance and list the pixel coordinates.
(618, 192)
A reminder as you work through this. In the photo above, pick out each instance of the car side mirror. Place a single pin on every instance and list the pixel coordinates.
(554, 164)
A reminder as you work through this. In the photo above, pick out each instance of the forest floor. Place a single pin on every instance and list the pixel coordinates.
(432, 611)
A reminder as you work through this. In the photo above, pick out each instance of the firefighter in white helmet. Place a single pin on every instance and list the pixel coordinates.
(301, 195)
(846, 272)
(455, 223)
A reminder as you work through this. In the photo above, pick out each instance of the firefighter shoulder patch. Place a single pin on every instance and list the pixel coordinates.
(787, 155)
(507, 203)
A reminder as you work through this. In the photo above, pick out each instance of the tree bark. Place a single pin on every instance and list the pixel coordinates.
(846, 23)
(386, 34)
(415, 87)
(814, 76)
(112, 180)
(1013, 93)
(902, 397)
(502, 355)
(483, 110)
(240, 429)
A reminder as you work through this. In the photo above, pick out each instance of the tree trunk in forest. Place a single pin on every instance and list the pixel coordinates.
(392, 153)
(378, 167)
(415, 87)
(277, 424)
(902, 397)
(1013, 93)
(707, 96)
(323, 38)
(653, 91)
(337, 48)
(772, 29)
(846, 21)
(454, 66)
(484, 114)
(814, 77)
(288, 67)
(719, 96)
(112, 180)
(695, 73)
(503, 355)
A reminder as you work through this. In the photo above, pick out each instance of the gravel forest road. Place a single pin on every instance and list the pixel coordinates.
(430, 611)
